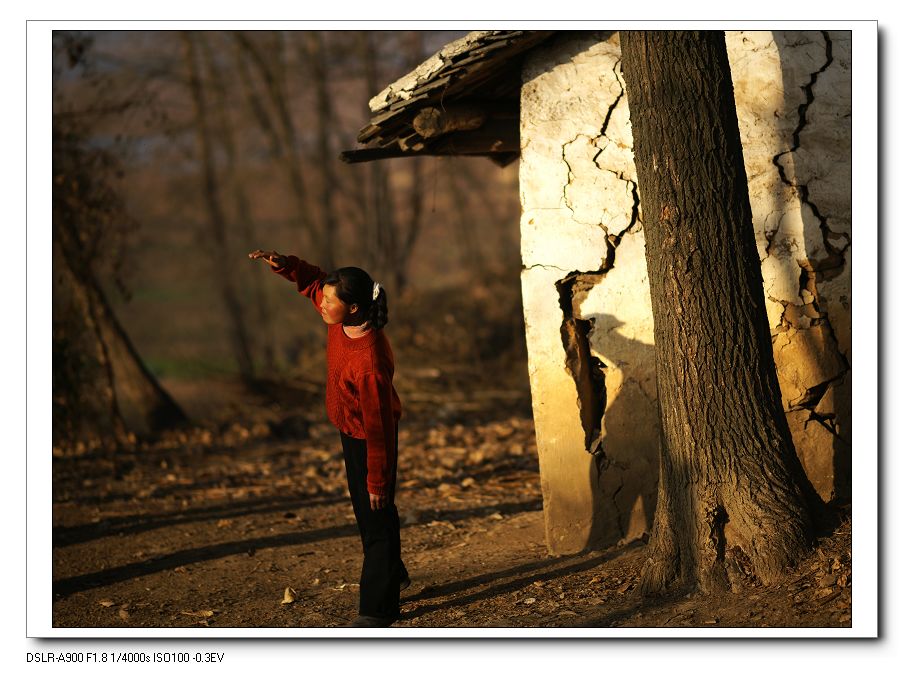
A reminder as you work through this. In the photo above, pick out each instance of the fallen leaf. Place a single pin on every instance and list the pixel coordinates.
(199, 613)
(288, 596)
(106, 603)
(529, 601)
(123, 613)
(496, 516)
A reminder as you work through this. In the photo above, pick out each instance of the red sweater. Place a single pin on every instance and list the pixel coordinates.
(360, 398)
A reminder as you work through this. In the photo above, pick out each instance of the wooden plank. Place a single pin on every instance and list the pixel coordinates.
(433, 122)
(372, 154)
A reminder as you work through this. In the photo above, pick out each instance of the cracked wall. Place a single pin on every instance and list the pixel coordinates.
(793, 93)
(584, 284)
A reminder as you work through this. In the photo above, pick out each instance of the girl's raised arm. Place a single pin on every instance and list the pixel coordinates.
(307, 277)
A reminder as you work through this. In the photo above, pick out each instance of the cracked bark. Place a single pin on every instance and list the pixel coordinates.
(731, 487)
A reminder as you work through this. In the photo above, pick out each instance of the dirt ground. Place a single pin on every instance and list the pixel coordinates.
(243, 520)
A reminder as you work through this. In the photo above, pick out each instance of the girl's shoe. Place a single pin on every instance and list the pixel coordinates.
(405, 583)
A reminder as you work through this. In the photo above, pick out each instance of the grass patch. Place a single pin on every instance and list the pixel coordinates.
(191, 368)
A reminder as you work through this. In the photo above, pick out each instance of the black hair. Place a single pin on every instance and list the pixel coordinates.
(354, 286)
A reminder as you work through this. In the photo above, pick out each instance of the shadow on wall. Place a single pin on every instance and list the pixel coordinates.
(627, 462)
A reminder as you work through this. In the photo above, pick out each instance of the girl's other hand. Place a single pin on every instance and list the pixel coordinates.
(377, 502)
(275, 259)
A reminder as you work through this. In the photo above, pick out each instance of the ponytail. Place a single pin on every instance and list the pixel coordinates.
(378, 314)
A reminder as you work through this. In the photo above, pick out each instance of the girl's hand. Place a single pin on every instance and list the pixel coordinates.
(275, 259)
(377, 502)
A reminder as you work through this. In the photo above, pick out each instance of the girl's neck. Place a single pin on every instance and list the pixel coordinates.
(355, 331)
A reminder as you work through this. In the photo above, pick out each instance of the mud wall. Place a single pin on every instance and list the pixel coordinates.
(584, 282)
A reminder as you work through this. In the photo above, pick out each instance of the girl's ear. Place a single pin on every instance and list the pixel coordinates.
(353, 308)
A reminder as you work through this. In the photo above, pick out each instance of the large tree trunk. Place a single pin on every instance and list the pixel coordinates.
(732, 498)
(130, 389)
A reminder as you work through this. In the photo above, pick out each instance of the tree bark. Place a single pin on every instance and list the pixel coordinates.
(732, 500)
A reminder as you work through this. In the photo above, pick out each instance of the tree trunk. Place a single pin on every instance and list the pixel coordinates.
(217, 217)
(732, 495)
(130, 389)
(271, 70)
(416, 194)
(382, 217)
(263, 324)
(315, 51)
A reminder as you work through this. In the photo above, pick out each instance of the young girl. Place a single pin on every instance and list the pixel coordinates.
(363, 404)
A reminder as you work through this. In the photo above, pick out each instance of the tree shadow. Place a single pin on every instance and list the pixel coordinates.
(636, 604)
(69, 585)
(142, 522)
(533, 572)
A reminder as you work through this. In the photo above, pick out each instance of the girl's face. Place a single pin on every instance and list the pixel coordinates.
(332, 309)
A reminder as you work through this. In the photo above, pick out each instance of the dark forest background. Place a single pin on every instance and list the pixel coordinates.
(177, 153)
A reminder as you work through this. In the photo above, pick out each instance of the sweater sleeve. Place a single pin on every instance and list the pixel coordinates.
(375, 396)
(307, 277)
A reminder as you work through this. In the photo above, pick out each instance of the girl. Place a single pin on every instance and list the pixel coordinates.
(363, 404)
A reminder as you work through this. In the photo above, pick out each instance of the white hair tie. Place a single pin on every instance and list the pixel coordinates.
(376, 290)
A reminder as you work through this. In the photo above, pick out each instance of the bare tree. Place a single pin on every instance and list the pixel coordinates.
(244, 221)
(392, 239)
(314, 53)
(271, 70)
(216, 216)
(98, 373)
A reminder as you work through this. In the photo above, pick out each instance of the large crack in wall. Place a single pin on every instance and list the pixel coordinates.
(595, 161)
(809, 313)
(587, 371)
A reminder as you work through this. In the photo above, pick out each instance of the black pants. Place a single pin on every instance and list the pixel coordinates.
(383, 568)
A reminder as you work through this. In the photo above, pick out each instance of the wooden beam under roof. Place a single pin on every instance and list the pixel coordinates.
(484, 68)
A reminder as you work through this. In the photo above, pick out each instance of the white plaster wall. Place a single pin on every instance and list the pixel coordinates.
(581, 215)
(579, 199)
(793, 96)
